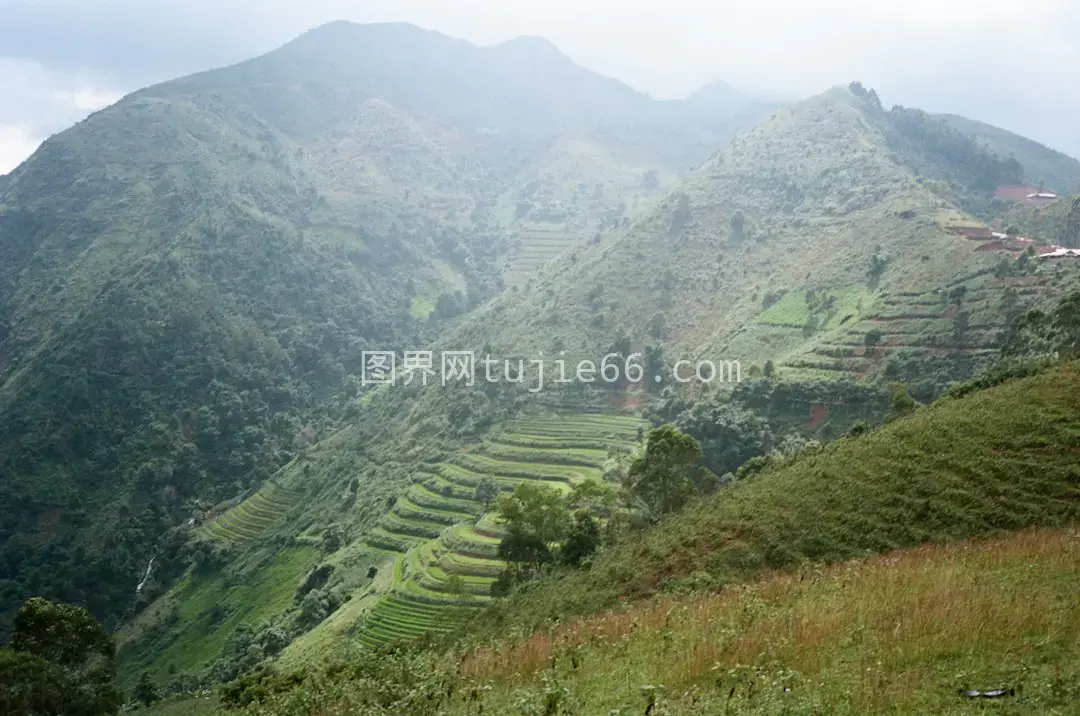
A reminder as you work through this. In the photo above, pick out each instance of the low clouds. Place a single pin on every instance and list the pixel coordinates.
(1007, 62)
(16, 144)
(36, 102)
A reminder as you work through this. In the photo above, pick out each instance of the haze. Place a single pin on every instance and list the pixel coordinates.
(1007, 62)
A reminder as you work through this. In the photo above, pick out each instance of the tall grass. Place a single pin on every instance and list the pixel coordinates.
(900, 633)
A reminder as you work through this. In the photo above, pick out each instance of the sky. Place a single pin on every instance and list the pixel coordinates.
(1012, 63)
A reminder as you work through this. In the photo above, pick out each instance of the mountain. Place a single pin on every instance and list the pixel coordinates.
(831, 221)
(189, 277)
(1043, 166)
(719, 99)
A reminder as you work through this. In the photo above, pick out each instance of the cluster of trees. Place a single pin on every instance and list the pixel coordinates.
(545, 527)
(61, 661)
(1038, 333)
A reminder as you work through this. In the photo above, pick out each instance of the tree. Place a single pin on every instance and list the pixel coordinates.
(683, 214)
(1071, 230)
(859, 427)
(878, 262)
(668, 474)
(902, 403)
(62, 634)
(146, 691)
(738, 226)
(455, 584)
(524, 549)
(535, 510)
(487, 490)
(582, 541)
(61, 661)
(729, 433)
(332, 539)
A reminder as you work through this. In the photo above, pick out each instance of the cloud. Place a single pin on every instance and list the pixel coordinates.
(16, 144)
(36, 102)
(1008, 62)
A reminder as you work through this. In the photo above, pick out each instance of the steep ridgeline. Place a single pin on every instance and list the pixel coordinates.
(188, 278)
(1044, 167)
(825, 241)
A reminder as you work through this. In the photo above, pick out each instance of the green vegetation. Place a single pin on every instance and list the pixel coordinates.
(826, 222)
(230, 243)
(962, 468)
(60, 661)
(1042, 166)
(905, 631)
(453, 550)
(188, 637)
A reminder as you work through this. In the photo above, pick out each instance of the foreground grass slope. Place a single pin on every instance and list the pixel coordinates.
(999, 460)
(901, 633)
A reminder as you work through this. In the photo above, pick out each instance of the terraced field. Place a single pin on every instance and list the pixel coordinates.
(253, 517)
(539, 244)
(933, 323)
(448, 545)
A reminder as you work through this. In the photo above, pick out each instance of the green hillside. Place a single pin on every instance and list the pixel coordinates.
(437, 529)
(745, 598)
(1058, 221)
(188, 278)
(962, 468)
(445, 537)
(908, 632)
(831, 221)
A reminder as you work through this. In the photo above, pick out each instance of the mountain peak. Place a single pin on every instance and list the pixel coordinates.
(715, 90)
(532, 48)
(390, 37)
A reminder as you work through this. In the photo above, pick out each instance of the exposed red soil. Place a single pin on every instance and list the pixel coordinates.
(1015, 192)
(818, 415)
(972, 232)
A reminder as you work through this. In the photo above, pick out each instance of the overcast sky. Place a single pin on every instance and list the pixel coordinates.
(1013, 63)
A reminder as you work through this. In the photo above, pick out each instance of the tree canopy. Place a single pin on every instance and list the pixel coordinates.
(60, 662)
